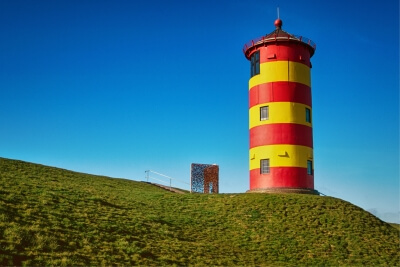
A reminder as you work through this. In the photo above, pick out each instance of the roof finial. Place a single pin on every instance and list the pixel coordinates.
(278, 21)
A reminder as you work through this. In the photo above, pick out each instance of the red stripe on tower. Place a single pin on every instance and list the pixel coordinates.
(281, 133)
(280, 92)
(281, 177)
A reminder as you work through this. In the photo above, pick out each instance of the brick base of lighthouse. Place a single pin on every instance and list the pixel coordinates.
(284, 190)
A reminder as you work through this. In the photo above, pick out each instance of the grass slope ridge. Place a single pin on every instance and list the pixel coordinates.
(51, 216)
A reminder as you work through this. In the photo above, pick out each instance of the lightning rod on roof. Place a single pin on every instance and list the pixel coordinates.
(277, 10)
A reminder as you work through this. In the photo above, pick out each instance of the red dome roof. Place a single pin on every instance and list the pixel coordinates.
(278, 35)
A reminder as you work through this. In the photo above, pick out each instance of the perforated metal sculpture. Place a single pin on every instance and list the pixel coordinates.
(204, 178)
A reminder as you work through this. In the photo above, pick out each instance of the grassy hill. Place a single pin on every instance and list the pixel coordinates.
(51, 216)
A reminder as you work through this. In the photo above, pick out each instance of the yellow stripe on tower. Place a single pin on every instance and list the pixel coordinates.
(281, 156)
(279, 112)
(281, 71)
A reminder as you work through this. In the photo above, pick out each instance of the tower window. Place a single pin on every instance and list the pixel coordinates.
(308, 115)
(255, 63)
(264, 166)
(309, 167)
(264, 113)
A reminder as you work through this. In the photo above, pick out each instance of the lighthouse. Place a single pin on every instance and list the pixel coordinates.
(280, 113)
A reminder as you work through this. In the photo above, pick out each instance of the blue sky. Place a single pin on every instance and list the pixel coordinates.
(119, 87)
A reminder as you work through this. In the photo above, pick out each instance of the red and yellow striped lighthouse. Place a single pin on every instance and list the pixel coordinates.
(280, 113)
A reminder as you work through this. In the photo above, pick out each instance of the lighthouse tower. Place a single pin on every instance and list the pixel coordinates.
(280, 113)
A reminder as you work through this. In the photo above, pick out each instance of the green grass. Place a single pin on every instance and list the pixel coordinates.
(395, 225)
(51, 216)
